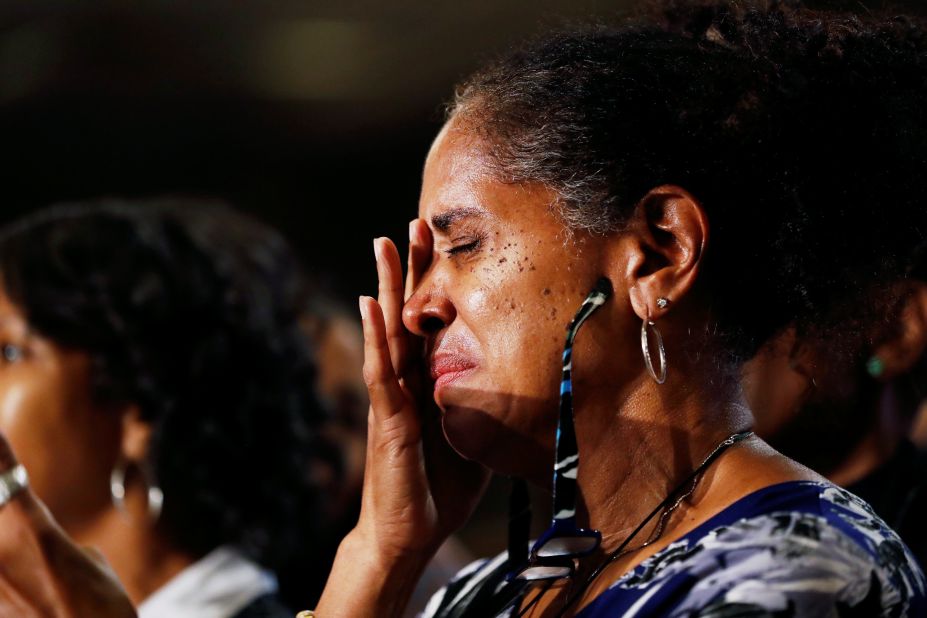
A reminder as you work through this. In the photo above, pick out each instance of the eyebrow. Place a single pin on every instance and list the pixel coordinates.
(446, 219)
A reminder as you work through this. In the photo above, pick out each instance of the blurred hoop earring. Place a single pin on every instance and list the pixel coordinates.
(117, 492)
(659, 378)
(117, 485)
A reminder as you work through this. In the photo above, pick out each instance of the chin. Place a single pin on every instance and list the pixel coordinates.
(479, 436)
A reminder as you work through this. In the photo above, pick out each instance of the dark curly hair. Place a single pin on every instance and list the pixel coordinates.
(802, 133)
(190, 311)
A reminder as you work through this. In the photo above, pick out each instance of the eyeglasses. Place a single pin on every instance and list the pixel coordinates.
(551, 556)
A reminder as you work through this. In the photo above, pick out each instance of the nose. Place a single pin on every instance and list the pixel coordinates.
(427, 311)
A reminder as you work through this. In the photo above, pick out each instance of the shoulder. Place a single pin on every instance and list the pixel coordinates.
(476, 579)
(267, 606)
(801, 548)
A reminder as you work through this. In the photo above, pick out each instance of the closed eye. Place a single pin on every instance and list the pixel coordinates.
(464, 247)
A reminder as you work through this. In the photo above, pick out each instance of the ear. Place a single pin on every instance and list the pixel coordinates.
(136, 436)
(666, 239)
(898, 355)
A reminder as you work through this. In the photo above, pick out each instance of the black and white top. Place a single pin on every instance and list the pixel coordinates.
(794, 549)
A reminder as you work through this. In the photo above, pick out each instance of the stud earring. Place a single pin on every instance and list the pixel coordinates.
(875, 367)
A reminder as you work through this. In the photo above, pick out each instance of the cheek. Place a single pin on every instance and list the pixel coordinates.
(29, 417)
(66, 446)
(518, 310)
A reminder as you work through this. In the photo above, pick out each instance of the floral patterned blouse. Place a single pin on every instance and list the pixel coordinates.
(794, 549)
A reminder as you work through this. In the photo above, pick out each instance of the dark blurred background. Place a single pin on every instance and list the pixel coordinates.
(315, 115)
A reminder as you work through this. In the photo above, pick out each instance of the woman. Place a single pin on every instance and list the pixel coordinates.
(708, 175)
(157, 387)
(725, 170)
(864, 394)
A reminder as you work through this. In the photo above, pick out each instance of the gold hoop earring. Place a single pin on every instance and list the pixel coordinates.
(645, 348)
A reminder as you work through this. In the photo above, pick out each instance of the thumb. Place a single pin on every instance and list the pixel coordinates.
(42, 564)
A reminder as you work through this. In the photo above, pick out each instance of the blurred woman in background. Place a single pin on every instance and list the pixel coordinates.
(843, 399)
(157, 386)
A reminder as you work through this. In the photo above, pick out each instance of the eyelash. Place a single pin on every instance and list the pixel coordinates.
(464, 248)
(471, 244)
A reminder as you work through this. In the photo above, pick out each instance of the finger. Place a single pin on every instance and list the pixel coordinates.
(386, 396)
(42, 570)
(7, 458)
(367, 444)
(8, 463)
(390, 299)
(420, 253)
(24, 502)
(26, 532)
(96, 556)
(14, 603)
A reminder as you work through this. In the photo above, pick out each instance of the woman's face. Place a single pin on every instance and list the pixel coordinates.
(505, 281)
(67, 443)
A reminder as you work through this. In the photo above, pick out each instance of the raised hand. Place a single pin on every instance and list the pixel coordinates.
(43, 574)
(417, 490)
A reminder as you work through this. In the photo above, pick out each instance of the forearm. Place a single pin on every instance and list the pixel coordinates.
(363, 583)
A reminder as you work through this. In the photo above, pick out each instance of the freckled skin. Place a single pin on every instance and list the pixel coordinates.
(504, 412)
(66, 442)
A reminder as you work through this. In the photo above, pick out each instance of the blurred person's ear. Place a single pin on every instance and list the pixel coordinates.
(136, 435)
(898, 355)
(140, 501)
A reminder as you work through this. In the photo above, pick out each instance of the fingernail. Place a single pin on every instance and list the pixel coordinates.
(376, 248)
(413, 231)
(363, 307)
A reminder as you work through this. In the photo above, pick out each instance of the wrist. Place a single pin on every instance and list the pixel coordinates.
(367, 579)
(386, 554)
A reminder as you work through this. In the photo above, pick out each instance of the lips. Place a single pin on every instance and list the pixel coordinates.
(448, 367)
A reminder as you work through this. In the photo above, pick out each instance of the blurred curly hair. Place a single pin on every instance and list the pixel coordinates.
(190, 311)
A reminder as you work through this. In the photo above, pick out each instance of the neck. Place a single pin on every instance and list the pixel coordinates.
(138, 554)
(650, 439)
(877, 446)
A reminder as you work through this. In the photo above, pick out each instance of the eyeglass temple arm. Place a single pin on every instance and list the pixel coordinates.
(567, 452)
